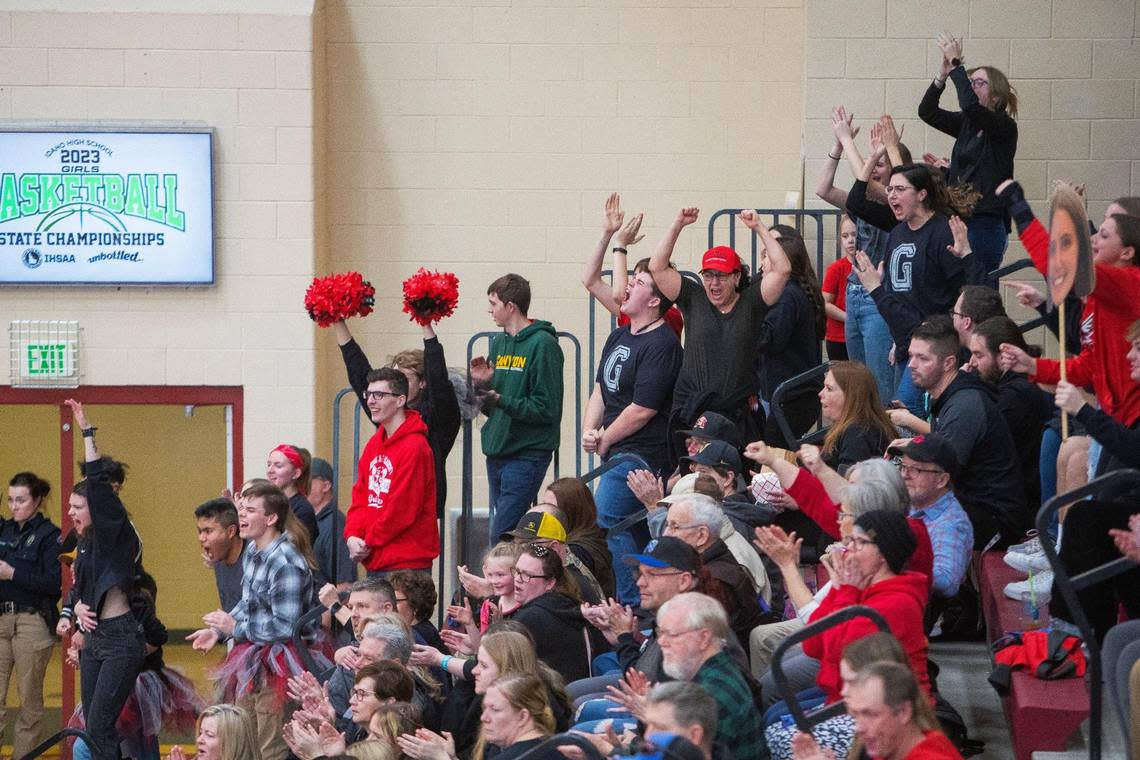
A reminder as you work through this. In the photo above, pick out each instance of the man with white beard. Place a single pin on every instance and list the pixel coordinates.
(691, 630)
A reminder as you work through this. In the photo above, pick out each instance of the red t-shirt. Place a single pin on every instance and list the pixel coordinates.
(835, 282)
(673, 318)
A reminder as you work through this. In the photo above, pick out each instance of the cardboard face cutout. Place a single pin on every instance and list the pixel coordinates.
(1070, 247)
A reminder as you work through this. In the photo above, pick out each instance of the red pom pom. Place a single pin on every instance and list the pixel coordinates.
(430, 296)
(339, 296)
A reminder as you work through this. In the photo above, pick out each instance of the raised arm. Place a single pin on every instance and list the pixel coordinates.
(825, 189)
(629, 234)
(668, 279)
(592, 272)
(845, 134)
(891, 139)
(779, 268)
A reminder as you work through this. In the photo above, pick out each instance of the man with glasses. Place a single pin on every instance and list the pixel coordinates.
(724, 324)
(928, 466)
(692, 629)
(696, 519)
(964, 410)
(668, 567)
(391, 524)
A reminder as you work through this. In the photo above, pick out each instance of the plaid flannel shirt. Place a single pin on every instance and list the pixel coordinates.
(276, 590)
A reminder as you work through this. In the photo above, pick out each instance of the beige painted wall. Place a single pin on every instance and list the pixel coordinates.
(250, 77)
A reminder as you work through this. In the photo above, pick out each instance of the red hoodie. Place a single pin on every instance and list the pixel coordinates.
(393, 500)
(1114, 305)
(900, 600)
(814, 502)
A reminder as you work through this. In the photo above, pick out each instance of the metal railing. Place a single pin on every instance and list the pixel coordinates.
(468, 487)
(1106, 486)
(55, 739)
(820, 217)
(804, 721)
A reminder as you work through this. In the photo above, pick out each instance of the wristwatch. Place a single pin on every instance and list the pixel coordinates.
(955, 62)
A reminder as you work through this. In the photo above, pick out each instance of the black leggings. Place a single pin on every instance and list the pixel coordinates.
(1085, 544)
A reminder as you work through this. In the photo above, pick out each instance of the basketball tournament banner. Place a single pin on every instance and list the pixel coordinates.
(109, 208)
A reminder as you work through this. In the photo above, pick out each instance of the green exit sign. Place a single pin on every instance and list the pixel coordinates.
(47, 360)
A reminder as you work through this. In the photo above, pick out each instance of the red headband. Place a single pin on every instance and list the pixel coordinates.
(292, 455)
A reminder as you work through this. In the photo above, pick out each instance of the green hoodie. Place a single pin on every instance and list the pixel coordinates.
(528, 377)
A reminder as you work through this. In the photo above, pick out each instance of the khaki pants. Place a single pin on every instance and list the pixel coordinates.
(25, 646)
(763, 642)
(270, 720)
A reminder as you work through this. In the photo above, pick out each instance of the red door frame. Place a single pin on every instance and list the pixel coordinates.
(123, 395)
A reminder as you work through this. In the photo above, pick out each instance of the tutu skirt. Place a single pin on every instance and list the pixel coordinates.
(160, 698)
(251, 667)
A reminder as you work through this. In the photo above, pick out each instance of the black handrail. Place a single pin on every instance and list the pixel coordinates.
(1106, 485)
(782, 390)
(56, 738)
(804, 721)
(578, 740)
(302, 646)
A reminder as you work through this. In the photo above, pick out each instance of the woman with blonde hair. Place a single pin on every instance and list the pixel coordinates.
(500, 654)
(859, 426)
(225, 732)
(985, 141)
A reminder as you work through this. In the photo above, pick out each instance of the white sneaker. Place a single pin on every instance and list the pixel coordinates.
(1032, 546)
(1042, 584)
(1027, 562)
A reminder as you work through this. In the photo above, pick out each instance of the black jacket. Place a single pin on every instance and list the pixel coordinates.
(559, 631)
(988, 484)
(33, 552)
(1026, 409)
(985, 141)
(437, 404)
(741, 603)
(108, 552)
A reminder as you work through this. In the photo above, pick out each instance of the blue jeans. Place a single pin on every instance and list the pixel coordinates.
(988, 239)
(112, 656)
(80, 750)
(1050, 447)
(911, 395)
(868, 339)
(809, 699)
(514, 483)
(616, 502)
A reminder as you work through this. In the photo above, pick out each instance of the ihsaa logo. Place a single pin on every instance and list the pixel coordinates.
(33, 258)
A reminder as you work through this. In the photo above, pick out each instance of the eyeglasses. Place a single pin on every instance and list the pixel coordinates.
(401, 599)
(711, 275)
(359, 694)
(856, 543)
(525, 577)
(979, 82)
(910, 469)
(646, 573)
(896, 189)
(843, 515)
(675, 527)
(369, 395)
(663, 634)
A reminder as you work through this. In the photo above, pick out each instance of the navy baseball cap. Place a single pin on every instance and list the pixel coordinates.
(667, 551)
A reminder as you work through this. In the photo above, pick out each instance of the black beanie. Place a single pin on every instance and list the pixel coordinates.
(892, 536)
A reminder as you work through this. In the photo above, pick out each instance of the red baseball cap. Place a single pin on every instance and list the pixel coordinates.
(721, 259)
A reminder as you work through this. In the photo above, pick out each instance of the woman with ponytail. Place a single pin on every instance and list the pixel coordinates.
(288, 468)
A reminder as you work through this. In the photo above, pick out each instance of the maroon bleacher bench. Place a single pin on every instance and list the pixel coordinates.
(1042, 715)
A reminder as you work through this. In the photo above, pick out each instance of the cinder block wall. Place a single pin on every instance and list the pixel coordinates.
(483, 138)
(1074, 64)
(249, 75)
